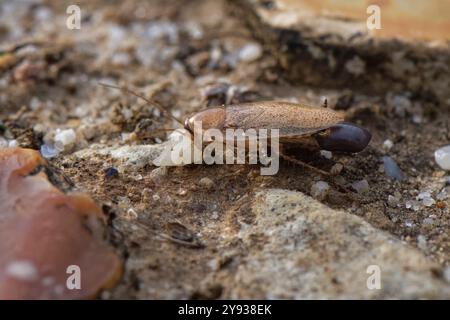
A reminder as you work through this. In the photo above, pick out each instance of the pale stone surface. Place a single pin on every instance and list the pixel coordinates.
(395, 20)
(311, 251)
(134, 156)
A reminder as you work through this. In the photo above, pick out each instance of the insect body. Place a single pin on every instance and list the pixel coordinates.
(322, 128)
(297, 124)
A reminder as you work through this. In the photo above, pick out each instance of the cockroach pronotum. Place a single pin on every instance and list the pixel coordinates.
(311, 127)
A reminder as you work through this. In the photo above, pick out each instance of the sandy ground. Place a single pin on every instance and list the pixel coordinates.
(189, 57)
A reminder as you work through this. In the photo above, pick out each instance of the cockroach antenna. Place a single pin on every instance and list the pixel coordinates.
(21, 45)
(151, 102)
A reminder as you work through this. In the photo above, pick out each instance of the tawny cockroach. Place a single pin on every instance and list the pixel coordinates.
(298, 124)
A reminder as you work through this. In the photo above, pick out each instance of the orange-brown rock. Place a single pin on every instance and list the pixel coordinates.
(44, 231)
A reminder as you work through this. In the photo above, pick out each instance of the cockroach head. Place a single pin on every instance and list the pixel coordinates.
(187, 126)
(344, 137)
(209, 118)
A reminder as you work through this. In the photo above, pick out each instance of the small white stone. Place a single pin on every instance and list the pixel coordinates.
(215, 215)
(446, 180)
(125, 136)
(326, 154)
(361, 186)
(163, 29)
(158, 173)
(409, 224)
(206, 182)
(316, 52)
(401, 104)
(176, 113)
(423, 195)
(250, 52)
(442, 195)
(121, 59)
(392, 170)
(59, 146)
(22, 269)
(127, 113)
(137, 177)
(39, 128)
(412, 204)
(214, 264)
(417, 119)
(43, 14)
(35, 103)
(319, 190)
(124, 202)
(116, 33)
(428, 202)
(13, 144)
(3, 143)
(387, 144)
(48, 151)
(393, 201)
(447, 274)
(422, 242)
(336, 168)
(355, 66)
(131, 214)
(64, 138)
(442, 157)
(81, 111)
(194, 30)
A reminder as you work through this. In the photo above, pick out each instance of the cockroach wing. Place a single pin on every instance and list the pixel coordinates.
(290, 118)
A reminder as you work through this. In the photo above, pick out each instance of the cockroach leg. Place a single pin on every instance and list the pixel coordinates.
(353, 111)
(304, 164)
(317, 170)
(344, 189)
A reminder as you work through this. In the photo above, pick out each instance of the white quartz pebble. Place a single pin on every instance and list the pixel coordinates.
(442, 157)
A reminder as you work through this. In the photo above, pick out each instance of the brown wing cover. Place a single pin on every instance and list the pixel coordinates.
(290, 118)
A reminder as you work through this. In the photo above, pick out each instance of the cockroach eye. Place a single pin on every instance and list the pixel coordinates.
(344, 137)
(324, 133)
(187, 126)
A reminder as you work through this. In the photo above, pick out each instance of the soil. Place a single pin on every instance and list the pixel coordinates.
(178, 54)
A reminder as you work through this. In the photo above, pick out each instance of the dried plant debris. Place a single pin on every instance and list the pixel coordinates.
(45, 236)
(178, 233)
